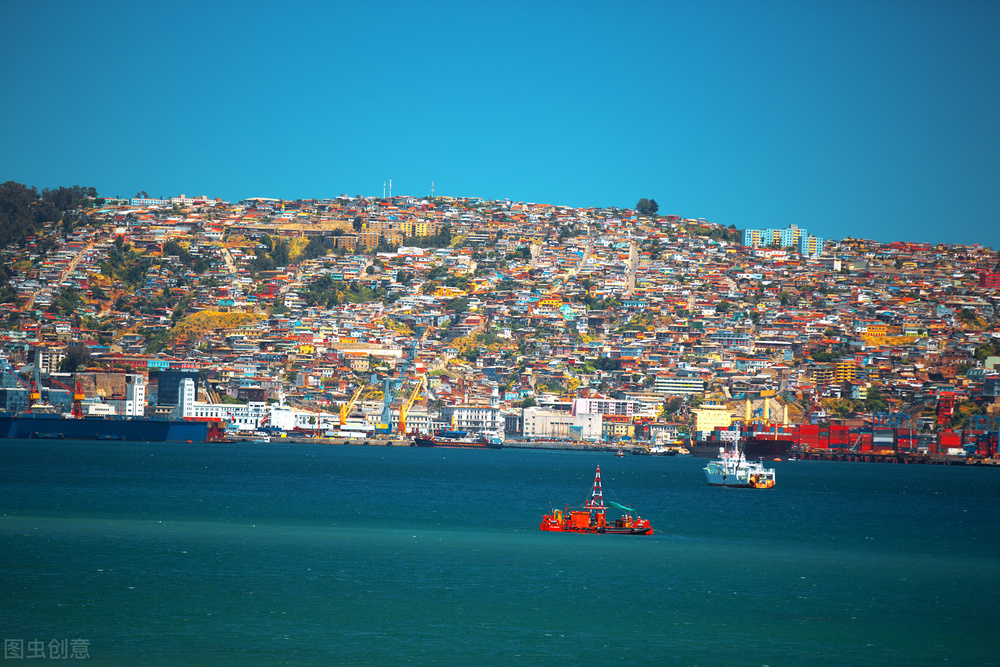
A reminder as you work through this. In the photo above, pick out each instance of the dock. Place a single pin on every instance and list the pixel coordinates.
(894, 457)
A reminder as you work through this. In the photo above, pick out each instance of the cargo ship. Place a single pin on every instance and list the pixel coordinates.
(754, 447)
(137, 429)
(459, 440)
(592, 517)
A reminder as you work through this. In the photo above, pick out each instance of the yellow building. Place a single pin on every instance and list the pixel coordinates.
(844, 371)
(418, 227)
(877, 329)
(448, 292)
(822, 375)
(613, 427)
(370, 239)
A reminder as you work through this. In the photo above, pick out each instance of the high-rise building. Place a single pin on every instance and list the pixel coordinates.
(169, 388)
(791, 237)
(810, 245)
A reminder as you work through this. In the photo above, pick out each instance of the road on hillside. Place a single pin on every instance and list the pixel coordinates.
(70, 268)
(633, 267)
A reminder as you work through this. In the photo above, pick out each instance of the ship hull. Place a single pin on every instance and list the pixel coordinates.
(753, 448)
(628, 531)
(608, 530)
(455, 444)
(102, 428)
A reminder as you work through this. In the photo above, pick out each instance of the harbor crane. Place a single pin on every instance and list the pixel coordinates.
(404, 409)
(345, 409)
(78, 396)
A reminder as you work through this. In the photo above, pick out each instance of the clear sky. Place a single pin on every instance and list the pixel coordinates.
(850, 118)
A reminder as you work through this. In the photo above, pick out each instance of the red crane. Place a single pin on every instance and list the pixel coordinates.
(78, 396)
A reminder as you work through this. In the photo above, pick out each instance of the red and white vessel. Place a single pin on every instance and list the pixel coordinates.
(592, 518)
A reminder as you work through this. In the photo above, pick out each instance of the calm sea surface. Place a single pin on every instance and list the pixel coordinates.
(309, 554)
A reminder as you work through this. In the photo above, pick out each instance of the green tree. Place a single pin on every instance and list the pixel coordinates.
(875, 402)
(280, 251)
(459, 305)
(23, 209)
(76, 356)
(670, 407)
(315, 248)
(647, 206)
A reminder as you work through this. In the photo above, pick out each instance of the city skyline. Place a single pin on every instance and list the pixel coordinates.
(874, 121)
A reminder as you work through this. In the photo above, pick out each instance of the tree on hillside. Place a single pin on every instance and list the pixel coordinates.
(280, 251)
(76, 356)
(875, 402)
(315, 248)
(23, 209)
(647, 206)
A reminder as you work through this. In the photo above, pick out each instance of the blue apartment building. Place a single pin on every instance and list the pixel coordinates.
(793, 236)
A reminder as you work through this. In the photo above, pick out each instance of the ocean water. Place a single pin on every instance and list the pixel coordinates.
(192, 554)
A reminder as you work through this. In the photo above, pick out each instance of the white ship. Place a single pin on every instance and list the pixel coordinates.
(732, 469)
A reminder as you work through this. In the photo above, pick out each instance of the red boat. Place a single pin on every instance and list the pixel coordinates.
(592, 518)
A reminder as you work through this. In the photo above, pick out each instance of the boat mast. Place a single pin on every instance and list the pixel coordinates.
(596, 500)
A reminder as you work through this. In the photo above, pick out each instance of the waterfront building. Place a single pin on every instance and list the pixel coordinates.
(473, 418)
(604, 406)
(542, 423)
(169, 384)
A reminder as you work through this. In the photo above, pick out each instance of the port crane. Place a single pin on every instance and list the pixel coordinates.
(392, 384)
(404, 409)
(345, 409)
(78, 396)
(35, 392)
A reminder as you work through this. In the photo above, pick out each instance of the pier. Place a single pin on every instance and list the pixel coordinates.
(893, 457)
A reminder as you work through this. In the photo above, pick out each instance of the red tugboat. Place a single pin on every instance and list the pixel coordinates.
(591, 519)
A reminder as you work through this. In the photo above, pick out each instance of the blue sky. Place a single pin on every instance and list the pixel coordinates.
(850, 118)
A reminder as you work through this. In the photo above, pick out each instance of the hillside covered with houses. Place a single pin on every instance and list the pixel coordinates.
(493, 315)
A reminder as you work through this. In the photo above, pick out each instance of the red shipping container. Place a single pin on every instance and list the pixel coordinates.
(950, 439)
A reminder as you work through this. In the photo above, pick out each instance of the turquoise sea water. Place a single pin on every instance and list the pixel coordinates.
(310, 554)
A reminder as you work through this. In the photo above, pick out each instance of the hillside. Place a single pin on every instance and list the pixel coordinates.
(193, 327)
